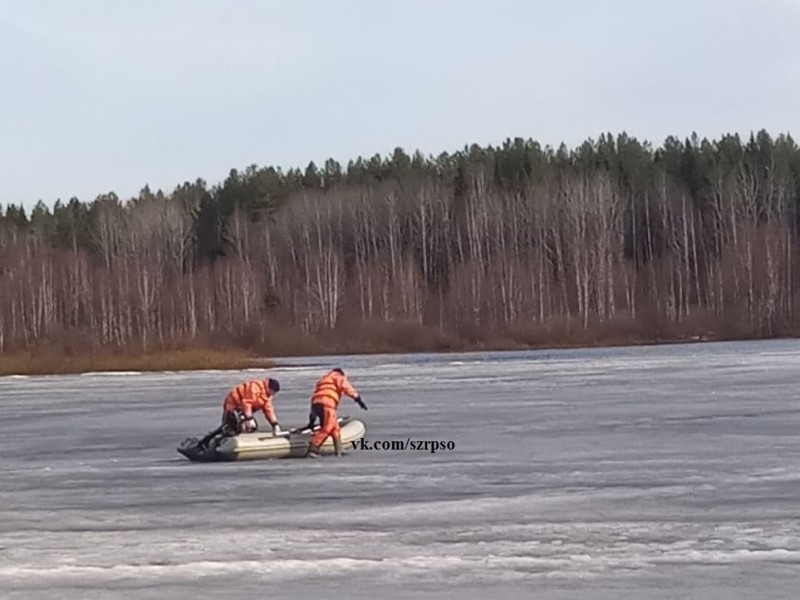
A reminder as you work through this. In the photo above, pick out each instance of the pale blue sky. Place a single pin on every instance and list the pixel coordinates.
(109, 95)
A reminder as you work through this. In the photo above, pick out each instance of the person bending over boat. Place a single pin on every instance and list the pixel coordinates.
(325, 400)
(247, 397)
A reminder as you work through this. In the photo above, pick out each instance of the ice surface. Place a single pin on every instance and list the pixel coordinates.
(650, 472)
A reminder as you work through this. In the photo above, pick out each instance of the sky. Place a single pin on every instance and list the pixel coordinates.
(102, 95)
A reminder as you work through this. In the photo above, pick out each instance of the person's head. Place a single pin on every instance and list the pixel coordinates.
(338, 370)
(273, 385)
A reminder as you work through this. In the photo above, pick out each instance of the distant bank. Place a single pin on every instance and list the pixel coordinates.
(57, 362)
(52, 362)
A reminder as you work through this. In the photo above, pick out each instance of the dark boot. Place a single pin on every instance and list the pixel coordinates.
(337, 445)
(313, 451)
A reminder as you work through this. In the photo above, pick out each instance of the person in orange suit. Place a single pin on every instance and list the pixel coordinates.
(247, 397)
(325, 400)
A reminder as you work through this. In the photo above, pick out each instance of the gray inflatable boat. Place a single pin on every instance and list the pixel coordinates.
(218, 446)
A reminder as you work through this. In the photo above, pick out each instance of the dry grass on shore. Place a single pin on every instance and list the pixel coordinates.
(53, 362)
(67, 355)
(402, 337)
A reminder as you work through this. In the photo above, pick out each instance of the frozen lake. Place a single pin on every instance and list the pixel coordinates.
(652, 472)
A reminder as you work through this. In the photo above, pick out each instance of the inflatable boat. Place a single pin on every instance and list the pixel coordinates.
(217, 446)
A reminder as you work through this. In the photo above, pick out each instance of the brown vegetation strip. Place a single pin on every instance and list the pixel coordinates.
(386, 338)
(54, 362)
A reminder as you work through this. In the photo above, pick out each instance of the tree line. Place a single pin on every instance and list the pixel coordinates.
(517, 241)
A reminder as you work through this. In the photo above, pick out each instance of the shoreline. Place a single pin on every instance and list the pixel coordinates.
(30, 363)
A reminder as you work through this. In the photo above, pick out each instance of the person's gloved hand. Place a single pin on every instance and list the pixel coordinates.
(360, 402)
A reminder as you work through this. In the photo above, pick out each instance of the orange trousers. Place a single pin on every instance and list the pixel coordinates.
(329, 422)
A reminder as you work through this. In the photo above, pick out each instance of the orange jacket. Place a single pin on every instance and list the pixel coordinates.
(250, 396)
(330, 388)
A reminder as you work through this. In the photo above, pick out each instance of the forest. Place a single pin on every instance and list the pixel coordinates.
(514, 246)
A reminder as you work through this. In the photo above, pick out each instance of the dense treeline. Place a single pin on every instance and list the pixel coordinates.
(517, 243)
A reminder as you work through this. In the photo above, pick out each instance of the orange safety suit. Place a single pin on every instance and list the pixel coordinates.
(248, 397)
(325, 400)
